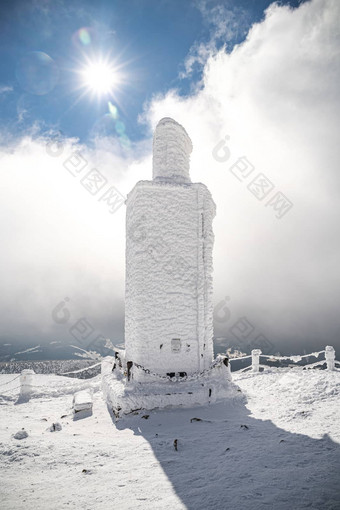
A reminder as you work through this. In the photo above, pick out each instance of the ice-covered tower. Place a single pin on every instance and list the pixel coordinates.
(169, 242)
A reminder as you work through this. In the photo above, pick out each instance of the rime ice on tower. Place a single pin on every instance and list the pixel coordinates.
(168, 303)
(168, 357)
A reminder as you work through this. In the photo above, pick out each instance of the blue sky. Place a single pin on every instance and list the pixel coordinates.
(148, 40)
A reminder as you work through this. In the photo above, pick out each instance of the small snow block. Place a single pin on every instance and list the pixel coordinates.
(82, 401)
(22, 434)
(55, 427)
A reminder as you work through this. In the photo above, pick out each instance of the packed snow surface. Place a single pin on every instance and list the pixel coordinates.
(278, 447)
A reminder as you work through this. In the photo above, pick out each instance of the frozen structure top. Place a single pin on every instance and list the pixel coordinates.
(171, 152)
(168, 356)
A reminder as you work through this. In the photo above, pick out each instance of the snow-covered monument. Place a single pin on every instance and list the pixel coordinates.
(168, 302)
(168, 357)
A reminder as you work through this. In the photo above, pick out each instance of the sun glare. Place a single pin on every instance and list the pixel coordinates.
(99, 77)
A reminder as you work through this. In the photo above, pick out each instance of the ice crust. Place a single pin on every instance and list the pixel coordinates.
(169, 245)
(169, 242)
(124, 397)
(168, 358)
(171, 152)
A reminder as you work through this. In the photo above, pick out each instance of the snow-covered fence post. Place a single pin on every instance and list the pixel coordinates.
(255, 359)
(106, 366)
(26, 382)
(330, 357)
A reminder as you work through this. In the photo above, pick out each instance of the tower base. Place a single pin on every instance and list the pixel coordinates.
(131, 389)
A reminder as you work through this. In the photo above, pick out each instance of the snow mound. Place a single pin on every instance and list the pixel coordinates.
(295, 396)
(82, 401)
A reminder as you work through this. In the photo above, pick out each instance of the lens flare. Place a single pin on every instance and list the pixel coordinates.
(113, 110)
(84, 36)
(37, 73)
(99, 77)
(103, 77)
(110, 125)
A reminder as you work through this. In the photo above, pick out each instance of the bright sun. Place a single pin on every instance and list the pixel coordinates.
(99, 77)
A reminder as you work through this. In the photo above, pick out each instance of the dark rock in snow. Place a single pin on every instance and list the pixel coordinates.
(55, 427)
(22, 434)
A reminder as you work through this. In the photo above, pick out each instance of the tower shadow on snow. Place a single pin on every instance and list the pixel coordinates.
(219, 457)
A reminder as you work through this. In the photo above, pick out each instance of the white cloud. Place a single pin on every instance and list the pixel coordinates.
(225, 23)
(276, 96)
(4, 89)
(59, 240)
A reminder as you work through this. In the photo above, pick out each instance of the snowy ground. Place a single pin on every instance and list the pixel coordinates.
(280, 450)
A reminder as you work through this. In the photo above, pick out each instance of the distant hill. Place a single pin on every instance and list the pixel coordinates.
(52, 367)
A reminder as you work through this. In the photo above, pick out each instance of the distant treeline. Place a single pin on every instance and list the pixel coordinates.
(52, 367)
